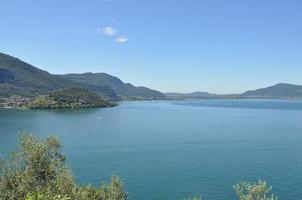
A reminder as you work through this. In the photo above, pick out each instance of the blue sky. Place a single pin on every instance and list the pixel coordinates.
(221, 46)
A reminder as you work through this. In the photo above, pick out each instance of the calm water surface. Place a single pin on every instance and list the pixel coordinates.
(174, 149)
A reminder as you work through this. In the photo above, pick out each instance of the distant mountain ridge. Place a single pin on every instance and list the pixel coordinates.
(281, 90)
(189, 95)
(20, 78)
(278, 91)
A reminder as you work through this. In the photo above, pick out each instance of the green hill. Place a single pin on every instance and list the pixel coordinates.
(125, 90)
(281, 90)
(20, 78)
(69, 98)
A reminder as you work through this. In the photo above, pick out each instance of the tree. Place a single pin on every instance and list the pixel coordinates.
(36, 170)
(253, 191)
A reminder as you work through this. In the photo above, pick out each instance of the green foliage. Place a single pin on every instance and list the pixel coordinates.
(37, 170)
(45, 197)
(41, 102)
(250, 191)
(69, 98)
(253, 191)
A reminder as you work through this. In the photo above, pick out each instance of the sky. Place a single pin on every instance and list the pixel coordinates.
(218, 46)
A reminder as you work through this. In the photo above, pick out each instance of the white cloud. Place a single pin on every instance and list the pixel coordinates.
(109, 31)
(121, 39)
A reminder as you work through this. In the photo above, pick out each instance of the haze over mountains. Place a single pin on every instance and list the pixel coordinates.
(20, 78)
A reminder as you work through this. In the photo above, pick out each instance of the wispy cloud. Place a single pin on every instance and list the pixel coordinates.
(109, 31)
(121, 39)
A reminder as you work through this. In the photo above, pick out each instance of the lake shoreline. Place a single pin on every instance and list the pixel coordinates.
(14, 105)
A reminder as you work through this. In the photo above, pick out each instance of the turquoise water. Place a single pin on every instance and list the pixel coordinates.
(174, 149)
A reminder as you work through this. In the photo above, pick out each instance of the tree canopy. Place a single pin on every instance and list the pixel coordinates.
(36, 170)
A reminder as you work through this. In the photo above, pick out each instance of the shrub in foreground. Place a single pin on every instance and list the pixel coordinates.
(37, 171)
(254, 191)
(250, 191)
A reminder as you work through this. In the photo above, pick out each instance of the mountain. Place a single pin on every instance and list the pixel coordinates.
(20, 78)
(278, 91)
(281, 90)
(124, 90)
(189, 95)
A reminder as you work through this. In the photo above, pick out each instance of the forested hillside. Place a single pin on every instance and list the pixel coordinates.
(20, 78)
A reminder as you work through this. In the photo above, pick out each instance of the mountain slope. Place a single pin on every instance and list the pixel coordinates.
(20, 78)
(125, 90)
(281, 90)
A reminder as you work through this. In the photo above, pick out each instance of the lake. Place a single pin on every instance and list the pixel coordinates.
(175, 149)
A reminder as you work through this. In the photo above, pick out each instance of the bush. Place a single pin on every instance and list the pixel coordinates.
(253, 191)
(250, 191)
(37, 170)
